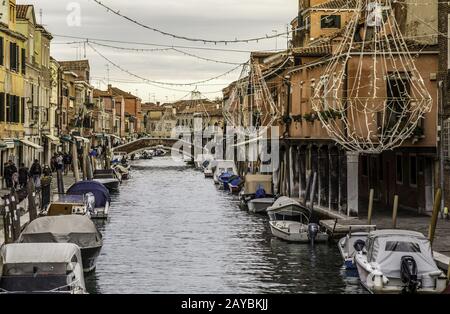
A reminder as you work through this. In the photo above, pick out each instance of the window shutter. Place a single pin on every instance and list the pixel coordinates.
(24, 61)
(22, 114)
(2, 107)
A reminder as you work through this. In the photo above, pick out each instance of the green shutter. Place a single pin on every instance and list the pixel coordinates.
(2, 107)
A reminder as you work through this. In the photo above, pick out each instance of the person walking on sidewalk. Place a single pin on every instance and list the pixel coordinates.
(67, 159)
(24, 174)
(36, 172)
(14, 175)
(7, 174)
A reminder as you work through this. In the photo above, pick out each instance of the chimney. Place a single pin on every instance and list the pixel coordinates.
(158, 103)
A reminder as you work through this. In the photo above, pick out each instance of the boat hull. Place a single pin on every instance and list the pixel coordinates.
(280, 229)
(111, 185)
(394, 285)
(89, 257)
(259, 206)
(102, 213)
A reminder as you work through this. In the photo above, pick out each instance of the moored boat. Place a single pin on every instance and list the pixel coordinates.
(109, 178)
(101, 196)
(235, 184)
(79, 230)
(349, 245)
(222, 167)
(399, 261)
(41, 268)
(253, 183)
(290, 221)
(63, 204)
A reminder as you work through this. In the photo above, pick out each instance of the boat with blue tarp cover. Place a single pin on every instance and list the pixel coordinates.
(100, 192)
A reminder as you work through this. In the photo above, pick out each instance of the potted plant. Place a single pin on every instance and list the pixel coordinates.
(297, 118)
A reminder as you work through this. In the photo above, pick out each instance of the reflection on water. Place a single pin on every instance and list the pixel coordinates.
(172, 231)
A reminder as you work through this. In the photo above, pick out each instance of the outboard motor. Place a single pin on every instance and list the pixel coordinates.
(408, 273)
(359, 245)
(313, 230)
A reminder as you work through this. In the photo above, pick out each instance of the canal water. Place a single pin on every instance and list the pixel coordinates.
(172, 231)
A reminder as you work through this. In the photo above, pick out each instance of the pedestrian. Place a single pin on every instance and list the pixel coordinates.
(67, 163)
(23, 175)
(53, 162)
(14, 175)
(7, 174)
(60, 162)
(36, 172)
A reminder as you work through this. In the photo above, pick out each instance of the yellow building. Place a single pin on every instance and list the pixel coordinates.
(12, 83)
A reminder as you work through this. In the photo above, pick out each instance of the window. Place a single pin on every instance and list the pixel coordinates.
(404, 247)
(413, 170)
(2, 107)
(330, 21)
(399, 163)
(24, 61)
(8, 108)
(22, 111)
(446, 140)
(13, 57)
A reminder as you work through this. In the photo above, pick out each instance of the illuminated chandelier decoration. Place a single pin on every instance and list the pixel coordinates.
(250, 99)
(371, 97)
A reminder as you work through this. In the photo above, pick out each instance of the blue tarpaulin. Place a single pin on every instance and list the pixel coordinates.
(100, 192)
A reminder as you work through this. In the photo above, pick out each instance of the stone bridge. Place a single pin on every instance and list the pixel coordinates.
(152, 143)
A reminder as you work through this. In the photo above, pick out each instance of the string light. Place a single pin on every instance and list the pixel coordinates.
(202, 40)
(370, 122)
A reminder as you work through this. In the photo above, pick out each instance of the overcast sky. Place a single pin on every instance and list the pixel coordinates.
(210, 19)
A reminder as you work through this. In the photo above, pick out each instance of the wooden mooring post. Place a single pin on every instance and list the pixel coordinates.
(313, 191)
(76, 170)
(370, 209)
(15, 215)
(60, 181)
(395, 212)
(435, 216)
(32, 210)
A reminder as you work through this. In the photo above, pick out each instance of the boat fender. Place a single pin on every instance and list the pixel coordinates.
(376, 280)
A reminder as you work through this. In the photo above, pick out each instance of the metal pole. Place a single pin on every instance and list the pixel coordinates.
(60, 181)
(369, 216)
(395, 212)
(435, 216)
(31, 200)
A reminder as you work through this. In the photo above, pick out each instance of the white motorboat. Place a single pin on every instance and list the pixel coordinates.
(399, 261)
(260, 205)
(47, 268)
(101, 197)
(290, 221)
(224, 166)
(79, 230)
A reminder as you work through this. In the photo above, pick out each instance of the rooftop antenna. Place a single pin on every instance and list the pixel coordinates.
(40, 16)
(107, 73)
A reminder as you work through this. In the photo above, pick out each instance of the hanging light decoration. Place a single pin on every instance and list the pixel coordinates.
(250, 102)
(371, 97)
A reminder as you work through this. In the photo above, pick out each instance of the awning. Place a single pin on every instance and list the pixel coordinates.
(66, 138)
(115, 136)
(53, 139)
(10, 143)
(81, 139)
(32, 145)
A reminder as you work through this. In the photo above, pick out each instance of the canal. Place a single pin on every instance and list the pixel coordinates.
(173, 231)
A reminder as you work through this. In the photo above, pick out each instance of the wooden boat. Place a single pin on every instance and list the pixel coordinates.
(399, 261)
(79, 230)
(290, 221)
(101, 197)
(41, 268)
